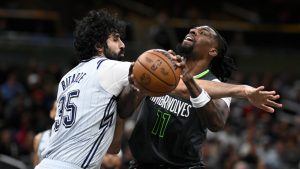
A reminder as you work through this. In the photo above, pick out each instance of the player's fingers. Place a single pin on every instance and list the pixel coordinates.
(267, 92)
(132, 83)
(171, 52)
(173, 57)
(273, 104)
(131, 79)
(135, 88)
(130, 74)
(131, 68)
(267, 108)
(260, 88)
(180, 62)
(274, 97)
(178, 57)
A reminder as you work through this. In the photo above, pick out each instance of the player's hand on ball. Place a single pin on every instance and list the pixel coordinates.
(181, 63)
(178, 60)
(155, 72)
(131, 78)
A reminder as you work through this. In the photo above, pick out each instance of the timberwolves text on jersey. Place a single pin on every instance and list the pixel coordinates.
(175, 106)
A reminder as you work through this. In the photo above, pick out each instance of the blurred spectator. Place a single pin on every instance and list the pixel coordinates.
(7, 145)
(160, 34)
(241, 165)
(11, 87)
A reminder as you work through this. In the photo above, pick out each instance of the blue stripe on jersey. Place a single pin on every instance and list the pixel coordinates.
(105, 124)
(107, 118)
(99, 62)
(92, 152)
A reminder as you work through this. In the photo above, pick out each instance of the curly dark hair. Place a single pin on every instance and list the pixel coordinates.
(93, 30)
(222, 65)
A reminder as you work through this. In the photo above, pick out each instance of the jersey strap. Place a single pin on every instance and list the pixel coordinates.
(200, 75)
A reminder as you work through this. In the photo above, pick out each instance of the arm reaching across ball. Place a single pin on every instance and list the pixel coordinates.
(260, 98)
(130, 97)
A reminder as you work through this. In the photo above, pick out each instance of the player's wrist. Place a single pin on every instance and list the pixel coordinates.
(200, 100)
(247, 90)
(186, 77)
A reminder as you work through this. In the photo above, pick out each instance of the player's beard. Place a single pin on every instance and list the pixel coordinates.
(184, 50)
(113, 55)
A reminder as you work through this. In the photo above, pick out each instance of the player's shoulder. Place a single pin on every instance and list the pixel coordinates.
(115, 64)
(118, 62)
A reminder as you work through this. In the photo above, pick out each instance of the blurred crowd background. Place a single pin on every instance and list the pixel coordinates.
(263, 36)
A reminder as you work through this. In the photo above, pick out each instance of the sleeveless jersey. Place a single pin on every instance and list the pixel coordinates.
(168, 132)
(86, 112)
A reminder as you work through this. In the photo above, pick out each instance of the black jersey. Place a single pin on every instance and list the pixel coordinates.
(168, 131)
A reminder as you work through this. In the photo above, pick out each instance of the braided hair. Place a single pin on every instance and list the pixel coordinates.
(93, 30)
(222, 65)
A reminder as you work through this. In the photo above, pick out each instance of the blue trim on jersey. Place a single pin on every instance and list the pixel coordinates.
(92, 152)
(87, 60)
(99, 62)
(105, 124)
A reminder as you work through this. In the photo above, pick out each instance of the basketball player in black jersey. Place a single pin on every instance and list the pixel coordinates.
(170, 129)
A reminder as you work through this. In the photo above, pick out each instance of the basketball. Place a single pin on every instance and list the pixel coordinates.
(155, 73)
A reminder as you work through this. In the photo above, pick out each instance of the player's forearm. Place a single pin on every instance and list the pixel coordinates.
(218, 90)
(128, 101)
(214, 113)
(192, 87)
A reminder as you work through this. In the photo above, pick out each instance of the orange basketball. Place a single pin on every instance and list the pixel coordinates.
(155, 73)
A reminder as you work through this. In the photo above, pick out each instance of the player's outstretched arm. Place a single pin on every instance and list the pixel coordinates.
(265, 100)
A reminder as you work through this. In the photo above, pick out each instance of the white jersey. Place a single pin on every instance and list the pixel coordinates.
(43, 143)
(86, 113)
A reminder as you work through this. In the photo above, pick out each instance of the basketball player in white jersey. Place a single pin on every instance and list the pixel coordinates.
(41, 139)
(87, 96)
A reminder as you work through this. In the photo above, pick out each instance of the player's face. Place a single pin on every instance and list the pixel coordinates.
(115, 47)
(198, 41)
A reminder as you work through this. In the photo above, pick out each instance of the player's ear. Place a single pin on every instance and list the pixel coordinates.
(99, 48)
(213, 52)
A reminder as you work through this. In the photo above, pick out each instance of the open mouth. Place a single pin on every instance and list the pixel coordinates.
(189, 38)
